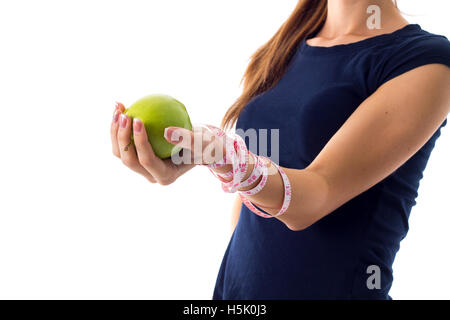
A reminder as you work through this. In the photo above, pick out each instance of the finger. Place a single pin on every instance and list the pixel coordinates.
(119, 109)
(145, 154)
(179, 136)
(120, 106)
(204, 146)
(127, 149)
(191, 142)
(113, 132)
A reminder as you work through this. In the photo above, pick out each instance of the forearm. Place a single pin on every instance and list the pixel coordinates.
(309, 200)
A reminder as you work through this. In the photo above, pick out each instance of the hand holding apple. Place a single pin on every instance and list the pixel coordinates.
(138, 154)
(149, 135)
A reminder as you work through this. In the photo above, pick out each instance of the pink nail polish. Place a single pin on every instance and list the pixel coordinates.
(116, 116)
(137, 125)
(123, 121)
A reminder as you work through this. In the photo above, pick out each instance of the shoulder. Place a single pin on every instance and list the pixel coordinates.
(412, 40)
(407, 51)
(423, 42)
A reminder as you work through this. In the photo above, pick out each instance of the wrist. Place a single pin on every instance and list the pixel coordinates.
(224, 169)
(250, 171)
(248, 175)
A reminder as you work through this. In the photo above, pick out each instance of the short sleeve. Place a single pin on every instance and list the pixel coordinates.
(408, 55)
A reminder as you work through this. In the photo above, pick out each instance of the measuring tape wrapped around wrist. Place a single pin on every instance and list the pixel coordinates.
(238, 156)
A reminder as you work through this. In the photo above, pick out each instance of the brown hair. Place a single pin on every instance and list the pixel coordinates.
(269, 63)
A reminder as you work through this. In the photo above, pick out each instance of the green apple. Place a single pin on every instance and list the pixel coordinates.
(158, 112)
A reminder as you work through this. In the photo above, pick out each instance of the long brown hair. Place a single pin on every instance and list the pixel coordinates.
(269, 62)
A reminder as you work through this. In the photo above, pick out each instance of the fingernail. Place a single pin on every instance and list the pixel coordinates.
(167, 133)
(116, 116)
(137, 125)
(171, 134)
(123, 120)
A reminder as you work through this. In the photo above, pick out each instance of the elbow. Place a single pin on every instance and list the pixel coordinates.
(304, 221)
(311, 205)
(298, 226)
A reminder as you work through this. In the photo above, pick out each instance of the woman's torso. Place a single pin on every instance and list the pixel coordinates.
(334, 258)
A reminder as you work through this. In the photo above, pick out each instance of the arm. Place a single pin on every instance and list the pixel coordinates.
(392, 124)
(385, 131)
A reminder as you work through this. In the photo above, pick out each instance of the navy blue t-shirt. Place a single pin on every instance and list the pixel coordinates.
(329, 260)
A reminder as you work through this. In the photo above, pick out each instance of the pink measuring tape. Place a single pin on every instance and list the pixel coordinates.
(238, 155)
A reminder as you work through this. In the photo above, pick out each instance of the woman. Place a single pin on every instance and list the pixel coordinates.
(359, 108)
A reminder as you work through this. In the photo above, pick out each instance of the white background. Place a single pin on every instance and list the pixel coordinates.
(74, 222)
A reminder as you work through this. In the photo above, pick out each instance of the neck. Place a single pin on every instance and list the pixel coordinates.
(349, 17)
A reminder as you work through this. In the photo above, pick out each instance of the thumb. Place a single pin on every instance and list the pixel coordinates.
(179, 136)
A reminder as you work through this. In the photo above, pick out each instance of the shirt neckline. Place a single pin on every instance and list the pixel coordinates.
(315, 50)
